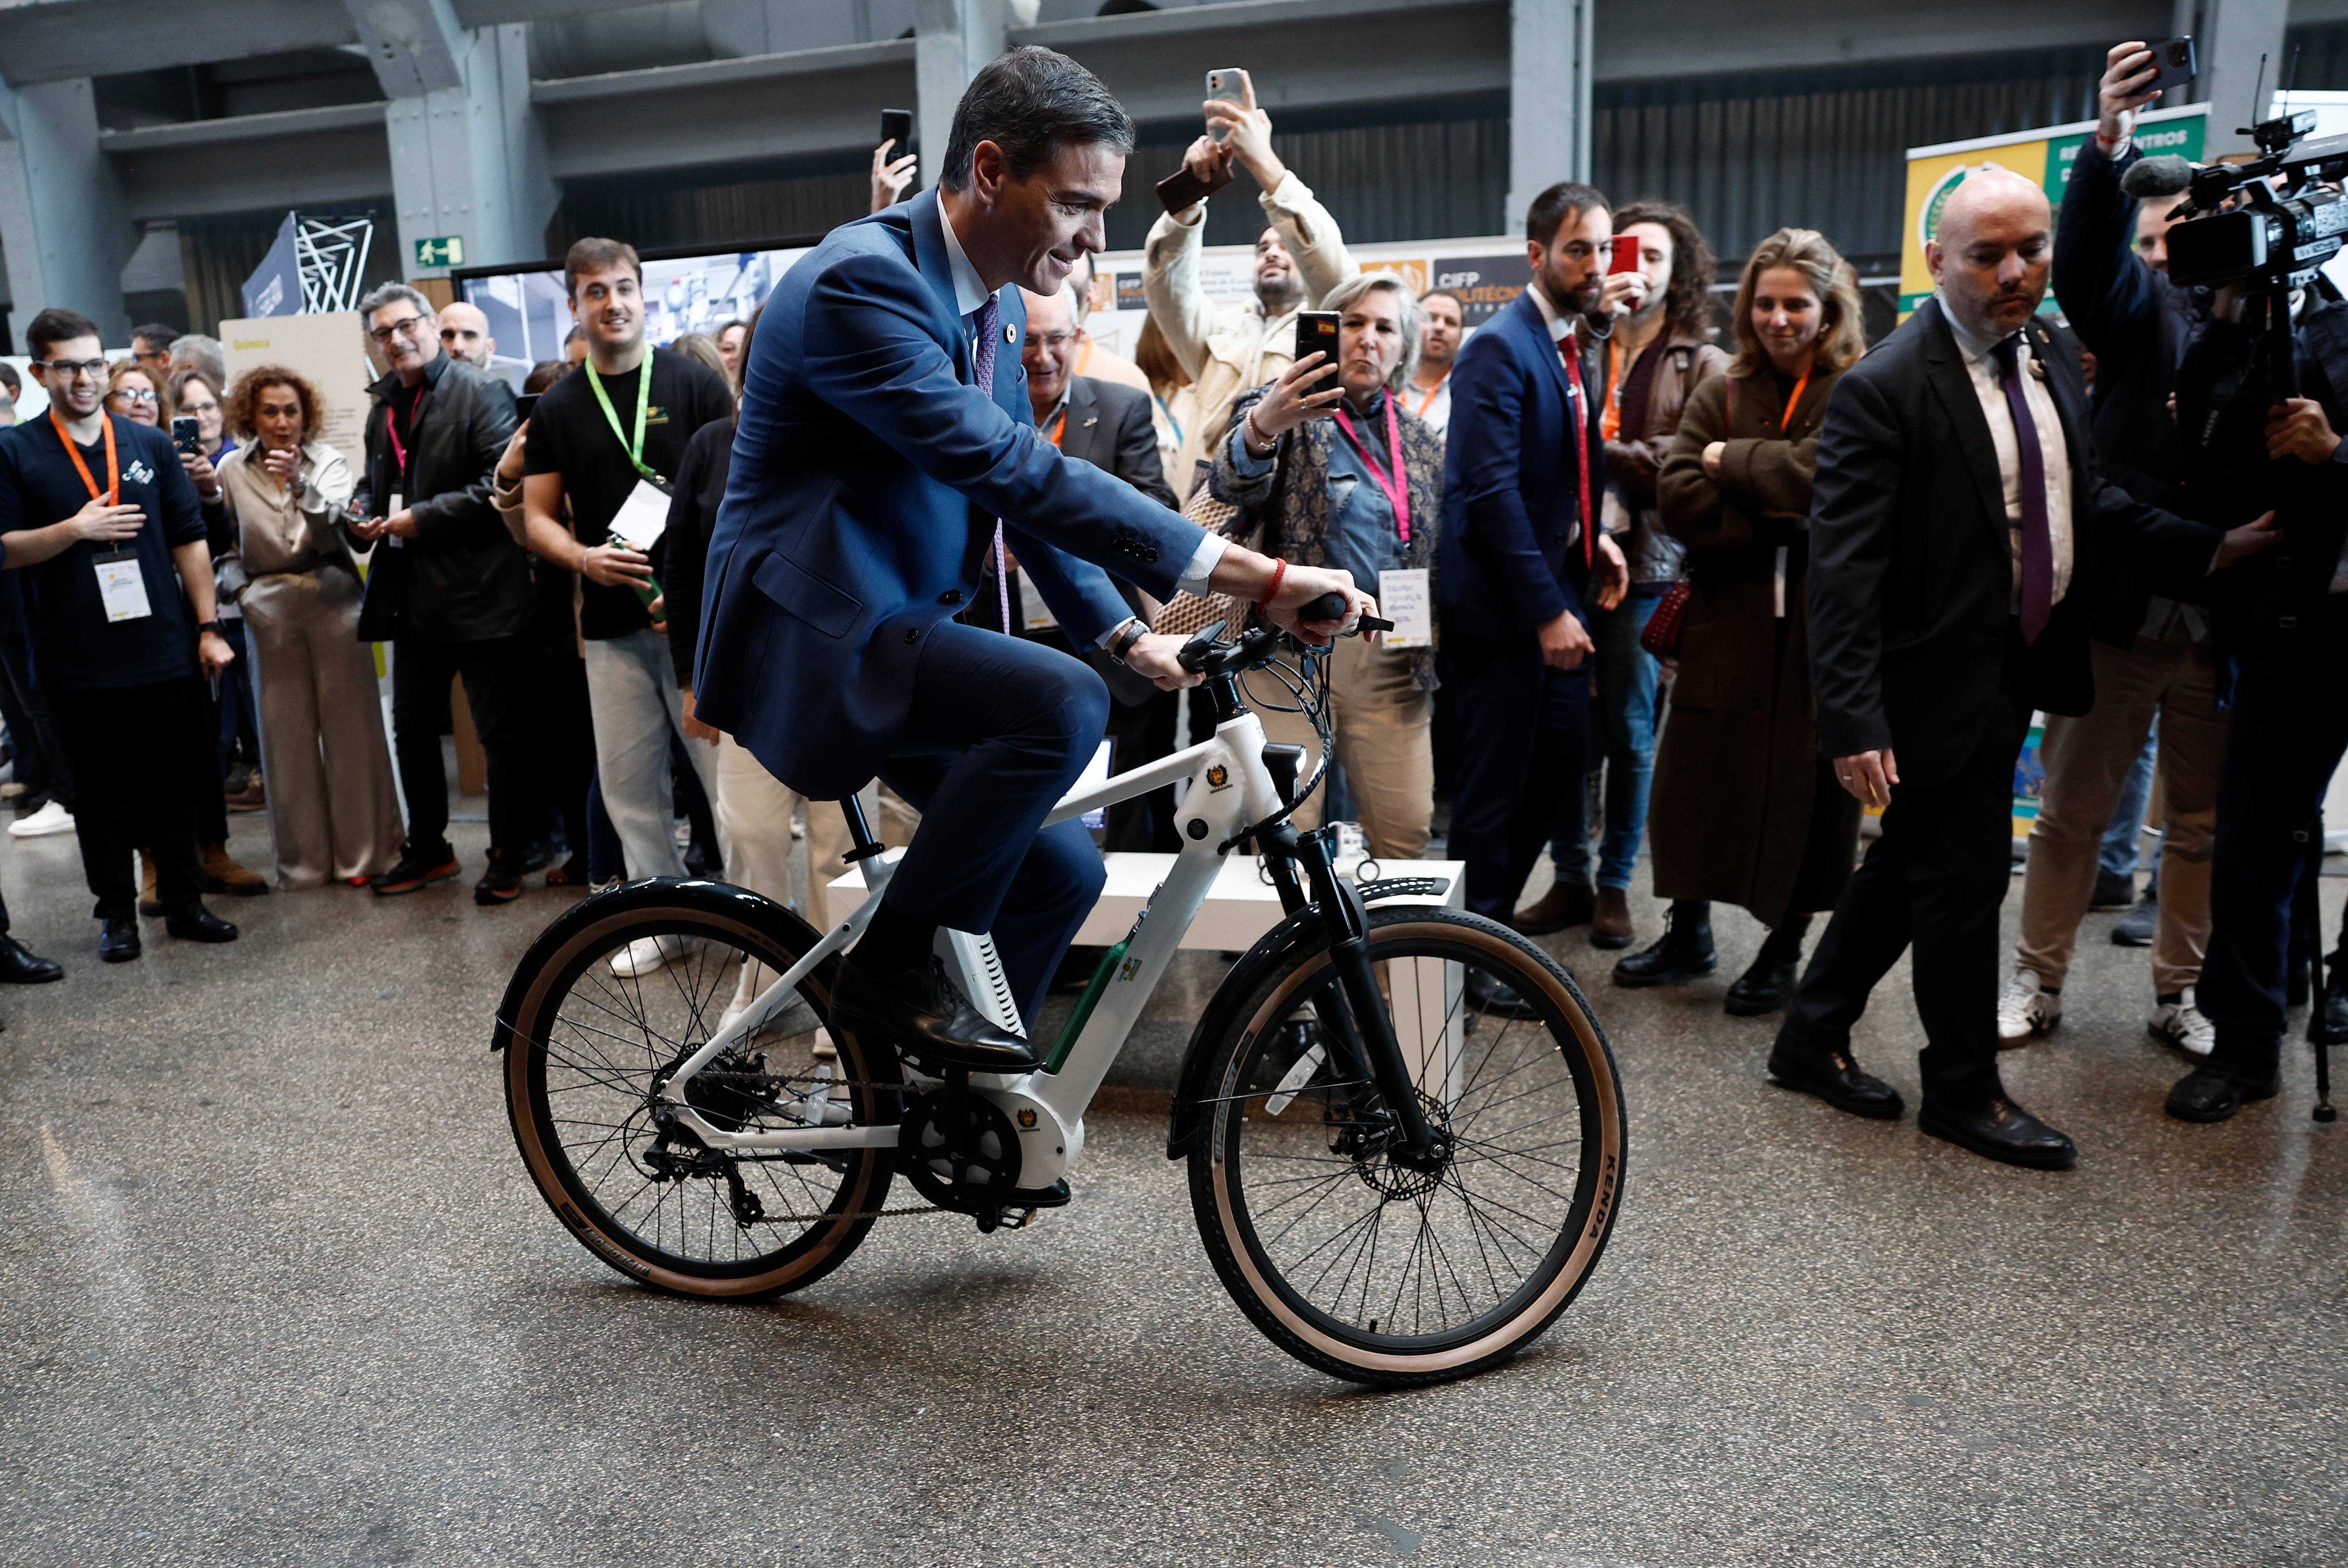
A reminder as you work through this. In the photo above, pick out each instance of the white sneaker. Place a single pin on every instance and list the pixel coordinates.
(2028, 1010)
(50, 818)
(647, 956)
(2181, 1027)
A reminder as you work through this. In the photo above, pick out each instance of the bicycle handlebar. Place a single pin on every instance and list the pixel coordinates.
(1204, 655)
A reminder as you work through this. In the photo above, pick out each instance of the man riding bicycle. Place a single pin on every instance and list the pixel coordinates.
(885, 453)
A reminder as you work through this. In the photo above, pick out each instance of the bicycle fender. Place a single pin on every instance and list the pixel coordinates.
(1187, 1121)
(718, 898)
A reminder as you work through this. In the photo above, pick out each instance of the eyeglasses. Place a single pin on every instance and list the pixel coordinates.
(1051, 339)
(91, 369)
(404, 327)
(133, 395)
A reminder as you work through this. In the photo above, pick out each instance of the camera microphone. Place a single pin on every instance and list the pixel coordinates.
(2163, 176)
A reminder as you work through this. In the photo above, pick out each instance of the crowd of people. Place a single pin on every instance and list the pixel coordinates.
(1724, 588)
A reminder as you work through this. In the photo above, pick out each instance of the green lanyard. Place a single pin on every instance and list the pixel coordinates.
(643, 403)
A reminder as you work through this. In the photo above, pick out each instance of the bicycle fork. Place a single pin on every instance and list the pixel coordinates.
(1361, 1035)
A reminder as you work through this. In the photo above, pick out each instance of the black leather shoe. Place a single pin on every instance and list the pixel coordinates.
(197, 923)
(1834, 1077)
(2001, 1131)
(1496, 998)
(2335, 1010)
(925, 1015)
(2213, 1094)
(1764, 988)
(1684, 952)
(2138, 925)
(2112, 892)
(117, 940)
(20, 966)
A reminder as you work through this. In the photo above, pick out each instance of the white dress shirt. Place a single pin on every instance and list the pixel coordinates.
(970, 298)
(2054, 452)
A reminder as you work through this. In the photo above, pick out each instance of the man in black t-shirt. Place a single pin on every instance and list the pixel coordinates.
(607, 439)
(105, 525)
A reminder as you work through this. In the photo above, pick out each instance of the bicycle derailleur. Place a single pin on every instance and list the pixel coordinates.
(961, 1152)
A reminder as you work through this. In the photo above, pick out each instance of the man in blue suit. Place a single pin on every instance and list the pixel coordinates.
(886, 449)
(1524, 464)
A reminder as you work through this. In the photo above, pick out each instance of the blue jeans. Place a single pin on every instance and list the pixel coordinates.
(1625, 714)
(2124, 838)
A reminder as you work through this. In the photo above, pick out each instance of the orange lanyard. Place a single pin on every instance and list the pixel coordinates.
(1785, 420)
(1087, 359)
(1060, 427)
(1609, 423)
(112, 493)
(1432, 394)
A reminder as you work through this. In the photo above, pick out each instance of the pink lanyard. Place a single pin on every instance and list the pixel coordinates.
(1398, 489)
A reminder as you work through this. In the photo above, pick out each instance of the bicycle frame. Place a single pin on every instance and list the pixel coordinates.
(1230, 786)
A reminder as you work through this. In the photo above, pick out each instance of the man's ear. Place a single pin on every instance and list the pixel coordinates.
(986, 171)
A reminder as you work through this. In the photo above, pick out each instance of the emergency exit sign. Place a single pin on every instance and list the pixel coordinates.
(447, 251)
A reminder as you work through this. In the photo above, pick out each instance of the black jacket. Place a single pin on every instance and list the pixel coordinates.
(2139, 326)
(1913, 642)
(466, 577)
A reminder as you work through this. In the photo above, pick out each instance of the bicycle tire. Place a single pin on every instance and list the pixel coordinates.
(578, 949)
(1235, 1209)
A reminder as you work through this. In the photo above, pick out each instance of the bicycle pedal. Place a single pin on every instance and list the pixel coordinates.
(1019, 1215)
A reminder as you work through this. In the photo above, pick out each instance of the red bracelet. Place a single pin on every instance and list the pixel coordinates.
(1279, 574)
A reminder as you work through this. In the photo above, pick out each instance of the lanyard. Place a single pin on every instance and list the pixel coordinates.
(112, 493)
(1060, 427)
(1609, 423)
(1433, 392)
(1398, 489)
(1785, 420)
(1568, 348)
(391, 428)
(643, 403)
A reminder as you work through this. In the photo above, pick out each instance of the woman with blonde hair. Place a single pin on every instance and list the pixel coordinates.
(331, 799)
(133, 394)
(1743, 808)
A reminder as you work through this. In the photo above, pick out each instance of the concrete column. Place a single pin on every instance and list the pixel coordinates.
(467, 157)
(62, 222)
(1549, 98)
(953, 39)
(2239, 33)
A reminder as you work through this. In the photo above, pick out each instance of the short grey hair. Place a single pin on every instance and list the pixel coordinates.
(383, 294)
(1350, 293)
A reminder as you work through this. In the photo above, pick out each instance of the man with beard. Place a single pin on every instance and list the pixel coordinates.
(1442, 324)
(465, 335)
(1522, 561)
(1298, 259)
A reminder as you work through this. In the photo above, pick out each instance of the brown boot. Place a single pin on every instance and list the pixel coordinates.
(147, 903)
(1565, 904)
(1609, 926)
(222, 874)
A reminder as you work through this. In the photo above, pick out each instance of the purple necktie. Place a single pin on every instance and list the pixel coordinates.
(2037, 538)
(981, 375)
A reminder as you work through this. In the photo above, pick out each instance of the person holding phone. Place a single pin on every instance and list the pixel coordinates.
(1300, 256)
(95, 508)
(1344, 475)
(333, 808)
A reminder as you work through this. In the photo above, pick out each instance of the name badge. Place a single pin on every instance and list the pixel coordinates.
(1403, 598)
(1034, 615)
(392, 504)
(122, 587)
(642, 516)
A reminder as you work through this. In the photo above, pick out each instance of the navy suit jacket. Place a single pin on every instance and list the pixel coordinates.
(866, 476)
(1510, 557)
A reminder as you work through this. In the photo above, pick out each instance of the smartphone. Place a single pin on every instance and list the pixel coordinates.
(1230, 83)
(1184, 188)
(184, 436)
(897, 126)
(1626, 256)
(525, 403)
(2174, 65)
(1316, 332)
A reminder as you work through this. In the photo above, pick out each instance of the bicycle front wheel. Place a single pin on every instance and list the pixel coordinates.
(1384, 1267)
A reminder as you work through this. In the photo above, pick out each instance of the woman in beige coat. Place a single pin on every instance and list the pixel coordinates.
(330, 798)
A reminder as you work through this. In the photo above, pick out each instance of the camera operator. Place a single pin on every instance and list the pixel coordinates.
(1298, 257)
(2151, 654)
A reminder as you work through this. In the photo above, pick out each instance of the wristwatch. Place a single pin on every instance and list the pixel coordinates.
(1132, 632)
(214, 626)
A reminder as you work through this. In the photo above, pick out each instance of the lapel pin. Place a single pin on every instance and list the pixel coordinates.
(1010, 332)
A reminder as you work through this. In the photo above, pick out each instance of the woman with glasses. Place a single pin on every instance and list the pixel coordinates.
(330, 798)
(132, 393)
(193, 395)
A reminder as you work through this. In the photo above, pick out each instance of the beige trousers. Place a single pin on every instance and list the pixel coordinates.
(2087, 759)
(332, 803)
(1381, 721)
(754, 816)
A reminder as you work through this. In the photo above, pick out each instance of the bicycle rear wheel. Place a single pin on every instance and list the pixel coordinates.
(1370, 1265)
(595, 1021)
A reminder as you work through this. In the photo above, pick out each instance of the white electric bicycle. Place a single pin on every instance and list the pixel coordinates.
(1404, 1127)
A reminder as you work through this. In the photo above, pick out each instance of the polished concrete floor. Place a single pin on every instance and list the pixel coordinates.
(277, 1291)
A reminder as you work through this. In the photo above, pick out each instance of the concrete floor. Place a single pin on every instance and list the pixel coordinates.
(278, 1291)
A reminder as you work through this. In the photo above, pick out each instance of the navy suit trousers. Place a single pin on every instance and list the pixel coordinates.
(1524, 741)
(998, 730)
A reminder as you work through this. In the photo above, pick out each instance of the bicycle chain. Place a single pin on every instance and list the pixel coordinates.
(810, 1081)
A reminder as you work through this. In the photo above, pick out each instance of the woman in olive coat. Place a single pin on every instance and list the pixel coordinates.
(1744, 810)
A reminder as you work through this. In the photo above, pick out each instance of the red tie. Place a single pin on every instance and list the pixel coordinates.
(1565, 345)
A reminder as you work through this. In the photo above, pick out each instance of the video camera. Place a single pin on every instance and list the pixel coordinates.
(2235, 227)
